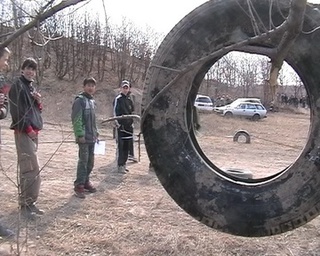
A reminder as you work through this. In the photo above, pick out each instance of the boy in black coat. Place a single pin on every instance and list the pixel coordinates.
(123, 105)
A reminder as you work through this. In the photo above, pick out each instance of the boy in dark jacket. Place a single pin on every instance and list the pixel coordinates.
(123, 105)
(25, 109)
(86, 134)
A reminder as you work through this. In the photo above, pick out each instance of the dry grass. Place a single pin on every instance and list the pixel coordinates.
(276, 141)
(132, 214)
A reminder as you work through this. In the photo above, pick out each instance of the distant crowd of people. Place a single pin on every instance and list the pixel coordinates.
(221, 100)
(294, 101)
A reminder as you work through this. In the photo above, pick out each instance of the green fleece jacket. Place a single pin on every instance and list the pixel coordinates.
(84, 118)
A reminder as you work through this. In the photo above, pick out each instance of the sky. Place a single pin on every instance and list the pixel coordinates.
(160, 15)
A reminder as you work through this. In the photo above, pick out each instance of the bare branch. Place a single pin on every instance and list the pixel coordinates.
(39, 18)
(46, 39)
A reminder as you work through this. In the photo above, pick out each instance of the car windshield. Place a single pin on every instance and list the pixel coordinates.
(203, 99)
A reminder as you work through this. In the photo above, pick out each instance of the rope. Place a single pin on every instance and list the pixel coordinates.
(279, 143)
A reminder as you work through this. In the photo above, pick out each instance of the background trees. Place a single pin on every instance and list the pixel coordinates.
(246, 75)
(73, 44)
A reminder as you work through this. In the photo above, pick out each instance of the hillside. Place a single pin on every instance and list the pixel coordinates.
(59, 95)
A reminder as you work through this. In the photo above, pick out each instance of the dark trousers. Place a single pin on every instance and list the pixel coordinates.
(131, 148)
(85, 163)
(124, 139)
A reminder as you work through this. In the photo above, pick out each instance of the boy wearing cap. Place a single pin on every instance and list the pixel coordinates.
(123, 105)
(86, 133)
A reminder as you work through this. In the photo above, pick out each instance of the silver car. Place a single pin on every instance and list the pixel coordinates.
(221, 109)
(254, 111)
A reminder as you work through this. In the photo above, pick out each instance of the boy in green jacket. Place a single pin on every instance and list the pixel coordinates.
(86, 134)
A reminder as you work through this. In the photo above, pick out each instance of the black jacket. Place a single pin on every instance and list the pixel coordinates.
(25, 110)
(123, 105)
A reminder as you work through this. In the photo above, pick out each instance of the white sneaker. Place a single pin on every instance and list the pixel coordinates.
(133, 159)
(122, 169)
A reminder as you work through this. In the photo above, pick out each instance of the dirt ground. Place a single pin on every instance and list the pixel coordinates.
(132, 214)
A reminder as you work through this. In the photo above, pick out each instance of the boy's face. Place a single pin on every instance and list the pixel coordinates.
(29, 73)
(4, 61)
(125, 90)
(90, 88)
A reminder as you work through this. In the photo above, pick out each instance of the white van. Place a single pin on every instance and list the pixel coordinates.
(203, 102)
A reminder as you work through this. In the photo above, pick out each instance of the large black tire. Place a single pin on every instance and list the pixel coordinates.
(241, 207)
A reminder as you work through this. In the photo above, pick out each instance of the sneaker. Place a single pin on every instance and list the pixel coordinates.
(27, 213)
(35, 209)
(89, 187)
(5, 232)
(151, 169)
(122, 169)
(79, 191)
(133, 159)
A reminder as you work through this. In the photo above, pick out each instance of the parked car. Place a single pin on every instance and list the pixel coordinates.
(254, 111)
(221, 109)
(203, 102)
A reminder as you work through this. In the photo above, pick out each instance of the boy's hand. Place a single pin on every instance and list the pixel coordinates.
(81, 140)
(37, 96)
(32, 134)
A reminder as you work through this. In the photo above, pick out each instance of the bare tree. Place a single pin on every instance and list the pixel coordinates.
(132, 51)
(294, 26)
(43, 13)
(286, 34)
